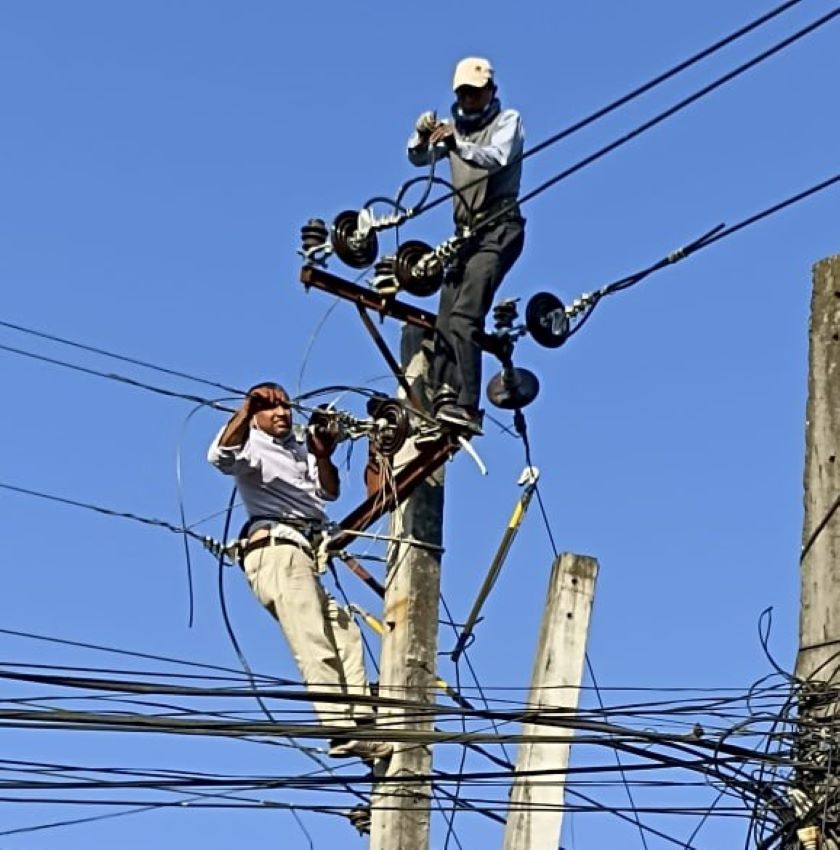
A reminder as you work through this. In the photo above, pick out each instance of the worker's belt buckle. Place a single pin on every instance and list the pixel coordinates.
(313, 538)
(506, 210)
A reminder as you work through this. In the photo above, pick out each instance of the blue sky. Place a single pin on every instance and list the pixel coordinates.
(158, 161)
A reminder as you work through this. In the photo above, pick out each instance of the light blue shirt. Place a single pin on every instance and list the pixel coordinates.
(276, 478)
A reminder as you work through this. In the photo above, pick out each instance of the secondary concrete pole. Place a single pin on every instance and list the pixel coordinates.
(818, 661)
(400, 811)
(535, 818)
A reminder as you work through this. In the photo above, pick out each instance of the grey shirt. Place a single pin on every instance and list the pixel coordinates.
(489, 149)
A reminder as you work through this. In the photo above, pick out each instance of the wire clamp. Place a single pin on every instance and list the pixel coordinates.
(529, 477)
(230, 551)
(368, 221)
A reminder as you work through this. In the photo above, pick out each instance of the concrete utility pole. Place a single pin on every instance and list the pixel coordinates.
(535, 818)
(818, 661)
(400, 812)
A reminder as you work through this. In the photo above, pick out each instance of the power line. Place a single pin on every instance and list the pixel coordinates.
(590, 300)
(122, 357)
(679, 106)
(133, 654)
(111, 376)
(159, 523)
(168, 781)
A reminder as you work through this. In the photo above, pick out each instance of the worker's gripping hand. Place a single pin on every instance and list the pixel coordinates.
(320, 442)
(445, 133)
(323, 432)
(426, 123)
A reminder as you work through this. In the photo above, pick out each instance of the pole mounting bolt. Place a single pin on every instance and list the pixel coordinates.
(810, 837)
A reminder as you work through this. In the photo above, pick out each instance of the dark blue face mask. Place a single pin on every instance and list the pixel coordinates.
(469, 122)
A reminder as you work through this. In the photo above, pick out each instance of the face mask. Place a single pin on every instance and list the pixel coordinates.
(469, 122)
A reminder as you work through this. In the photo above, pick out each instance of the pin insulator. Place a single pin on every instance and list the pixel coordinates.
(505, 314)
(314, 234)
(384, 277)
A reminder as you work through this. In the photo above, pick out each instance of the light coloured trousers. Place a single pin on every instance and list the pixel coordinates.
(325, 641)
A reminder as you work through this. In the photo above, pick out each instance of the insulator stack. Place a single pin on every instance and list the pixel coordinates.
(384, 275)
(418, 270)
(505, 314)
(355, 247)
(513, 388)
(547, 320)
(313, 234)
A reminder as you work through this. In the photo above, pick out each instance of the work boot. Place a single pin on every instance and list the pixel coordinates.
(428, 434)
(462, 419)
(360, 818)
(444, 395)
(368, 751)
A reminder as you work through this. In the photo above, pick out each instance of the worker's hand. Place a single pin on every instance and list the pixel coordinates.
(264, 398)
(426, 123)
(323, 432)
(445, 133)
(320, 442)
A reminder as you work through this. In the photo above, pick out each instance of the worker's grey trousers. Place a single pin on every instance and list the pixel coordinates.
(325, 641)
(465, 301)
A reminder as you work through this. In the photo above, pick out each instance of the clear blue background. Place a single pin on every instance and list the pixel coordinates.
(157, 162)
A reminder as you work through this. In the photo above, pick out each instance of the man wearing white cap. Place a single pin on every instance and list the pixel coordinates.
(484, 145)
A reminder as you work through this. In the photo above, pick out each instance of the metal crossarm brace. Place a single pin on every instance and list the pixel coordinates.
(389, 357)
(357, 569)
(368, 298)
(385, 305)
(417, 470)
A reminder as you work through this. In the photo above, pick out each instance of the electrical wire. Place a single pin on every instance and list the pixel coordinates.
(181, 530)
(114, 377)
(158, 523)
(122, 357)
(183, 515)
(713, 236)
(665, 114)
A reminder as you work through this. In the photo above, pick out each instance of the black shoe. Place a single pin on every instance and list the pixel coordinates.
(427, 435)
(462, 419)
(365, 749)
(360, 818)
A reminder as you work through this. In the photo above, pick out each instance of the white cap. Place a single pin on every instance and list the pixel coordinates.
(472, 71)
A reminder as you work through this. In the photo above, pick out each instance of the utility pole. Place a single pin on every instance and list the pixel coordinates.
(818, 661)
(535, 818)
(400, 811)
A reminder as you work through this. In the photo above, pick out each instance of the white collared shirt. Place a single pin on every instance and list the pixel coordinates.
(275, 477)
